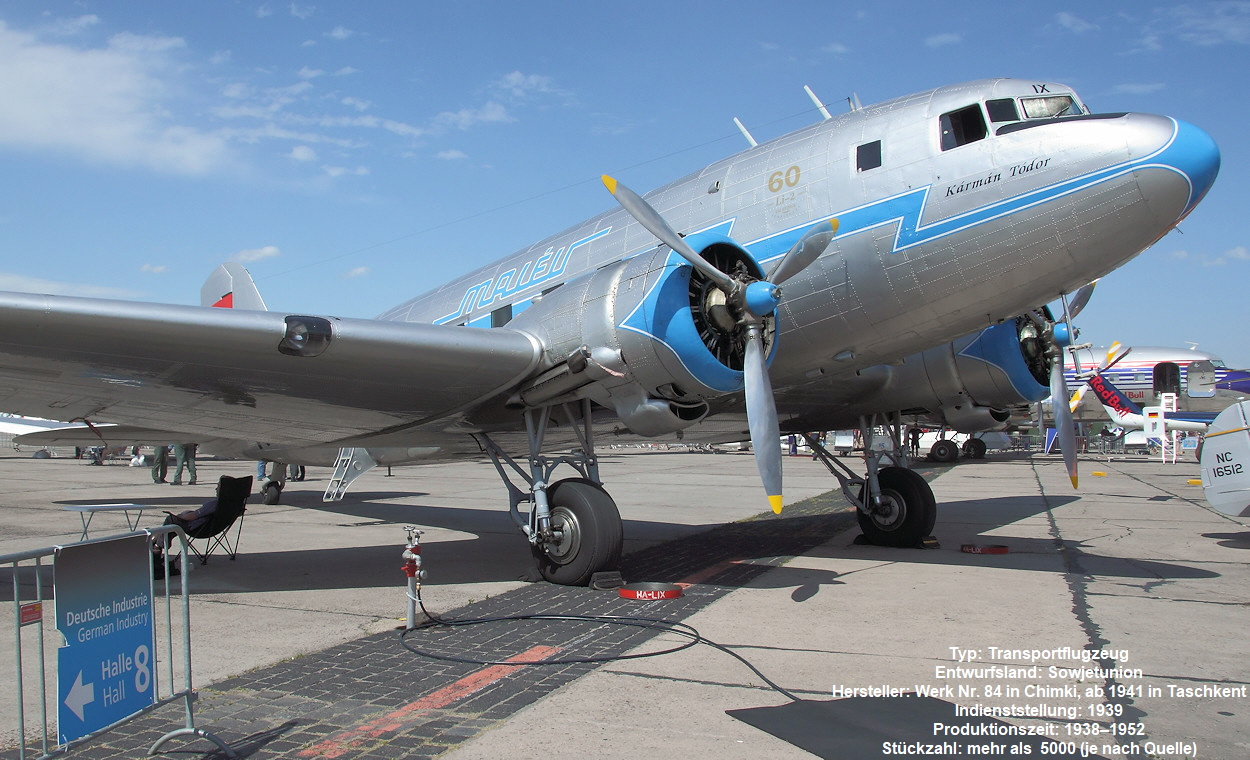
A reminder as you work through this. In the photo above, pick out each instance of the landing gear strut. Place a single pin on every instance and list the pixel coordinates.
(895, 506)
(572, 525)
(271, 487)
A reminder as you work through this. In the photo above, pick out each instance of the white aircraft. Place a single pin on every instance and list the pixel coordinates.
(1202, 382)
(893, 230)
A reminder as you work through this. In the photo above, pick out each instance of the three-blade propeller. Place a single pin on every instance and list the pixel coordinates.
(750, 301)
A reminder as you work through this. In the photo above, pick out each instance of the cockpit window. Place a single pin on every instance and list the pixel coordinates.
(962, 127)
(1050, 107)
(1002, 109)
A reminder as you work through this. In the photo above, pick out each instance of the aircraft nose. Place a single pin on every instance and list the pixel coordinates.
(1196, 156)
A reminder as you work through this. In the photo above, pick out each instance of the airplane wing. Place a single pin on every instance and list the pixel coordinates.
(264, 376)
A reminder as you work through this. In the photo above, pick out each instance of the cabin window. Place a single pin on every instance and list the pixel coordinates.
(1002, 109)
(962, 127)
(1050, 107)
(501, 316)
(868, 156)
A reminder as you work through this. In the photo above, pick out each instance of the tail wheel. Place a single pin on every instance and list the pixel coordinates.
(588, 533)
(907, 513)
(271, 492)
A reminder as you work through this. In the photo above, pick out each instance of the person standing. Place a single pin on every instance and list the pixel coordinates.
(184, 456)
(159, 464)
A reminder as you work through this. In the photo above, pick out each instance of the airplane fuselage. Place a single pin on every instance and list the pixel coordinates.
(956, 210)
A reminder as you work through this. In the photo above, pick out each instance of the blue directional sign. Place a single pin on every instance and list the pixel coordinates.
(105, 671)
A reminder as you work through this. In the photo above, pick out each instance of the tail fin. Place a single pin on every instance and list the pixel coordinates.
(1118, 405)
(231, 287)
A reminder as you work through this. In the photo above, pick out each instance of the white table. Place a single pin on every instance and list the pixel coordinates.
(88, 511)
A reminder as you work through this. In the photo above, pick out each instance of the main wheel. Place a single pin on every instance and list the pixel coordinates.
(944, 451)
(974, 448)
(908, 510)
(588, 533)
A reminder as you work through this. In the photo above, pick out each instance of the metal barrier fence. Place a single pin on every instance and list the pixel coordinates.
(170, 656)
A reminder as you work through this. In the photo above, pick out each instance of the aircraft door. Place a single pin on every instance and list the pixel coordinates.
(1167, 378)
(1200, 379)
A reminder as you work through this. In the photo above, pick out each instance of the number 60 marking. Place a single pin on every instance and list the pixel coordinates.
(778, 181)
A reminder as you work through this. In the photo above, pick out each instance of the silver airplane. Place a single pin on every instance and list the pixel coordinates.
(916, 242)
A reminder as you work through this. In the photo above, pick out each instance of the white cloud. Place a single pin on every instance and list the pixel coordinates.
(1074, 24)
(1212, 23)
(302, 12)
(357, 103)
(452, 155)
(1234, 254)
(22, 284)
(307, 73)
(490, 113)
(521, 85)
(256, 254)
(343, 171)
(70, 27)
(303, 153)
(104, 105)
(339, 33)
(357, 272)
(836, 48)
(153, 268)
(940, 40)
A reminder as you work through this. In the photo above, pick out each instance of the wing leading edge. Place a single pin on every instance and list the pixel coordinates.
(219, 373)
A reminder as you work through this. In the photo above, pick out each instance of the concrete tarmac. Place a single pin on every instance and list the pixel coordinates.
(1133, 564)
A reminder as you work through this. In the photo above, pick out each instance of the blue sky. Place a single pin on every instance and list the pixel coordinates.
(353, 155)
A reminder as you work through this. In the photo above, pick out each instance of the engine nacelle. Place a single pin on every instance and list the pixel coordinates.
(970, 383)
(970, 418)
(647, 337)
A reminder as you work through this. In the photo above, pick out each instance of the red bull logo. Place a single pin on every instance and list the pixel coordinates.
(1110, 397)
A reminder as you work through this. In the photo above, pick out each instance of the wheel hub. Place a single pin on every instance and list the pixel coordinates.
(566, 536)
(890, 512)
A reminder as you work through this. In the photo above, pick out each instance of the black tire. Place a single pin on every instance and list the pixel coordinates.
(911, 510)
(974, 448)
(592, 533)
(271, 493)
(944, 451)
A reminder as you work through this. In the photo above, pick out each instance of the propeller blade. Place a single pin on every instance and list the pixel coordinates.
(805, 251)
(762, 417)
(1063, 417)
(1081, 299)
(1115, 361)
(1113, 357)
(650, 218)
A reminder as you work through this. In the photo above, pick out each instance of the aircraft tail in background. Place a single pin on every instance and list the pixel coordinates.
(230, 286)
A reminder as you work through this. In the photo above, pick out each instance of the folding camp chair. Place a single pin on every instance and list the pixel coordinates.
(232, 496)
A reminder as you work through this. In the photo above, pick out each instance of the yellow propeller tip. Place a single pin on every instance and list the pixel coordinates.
(775, 503)
(834, 224)
(1074, 481)
(609, 183)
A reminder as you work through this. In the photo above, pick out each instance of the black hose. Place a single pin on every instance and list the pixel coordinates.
(684, 630)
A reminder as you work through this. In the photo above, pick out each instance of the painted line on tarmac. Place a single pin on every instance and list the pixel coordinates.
(338, 745)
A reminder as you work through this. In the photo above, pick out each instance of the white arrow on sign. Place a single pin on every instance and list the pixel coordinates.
(80, 695)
